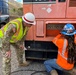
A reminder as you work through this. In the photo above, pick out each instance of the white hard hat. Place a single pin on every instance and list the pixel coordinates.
(29, 18)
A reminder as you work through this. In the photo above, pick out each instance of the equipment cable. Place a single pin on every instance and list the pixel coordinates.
(44, 72)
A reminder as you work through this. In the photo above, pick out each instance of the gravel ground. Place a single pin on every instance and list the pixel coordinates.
(34, 68)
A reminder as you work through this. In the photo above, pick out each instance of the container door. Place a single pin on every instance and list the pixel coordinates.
(71, 9)
(49, 8)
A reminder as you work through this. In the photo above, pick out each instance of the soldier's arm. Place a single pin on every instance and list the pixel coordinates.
(21, 43)
(7, 36)
(23, 39)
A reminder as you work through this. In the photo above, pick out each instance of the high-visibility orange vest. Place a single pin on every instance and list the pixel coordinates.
(19, 33)
(62, 43)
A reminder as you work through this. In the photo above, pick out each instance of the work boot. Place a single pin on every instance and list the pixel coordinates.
(53, 72)
(72, 72)
(24, 64)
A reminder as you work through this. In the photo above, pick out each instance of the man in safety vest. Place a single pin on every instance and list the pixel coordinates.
(13, 33)
(66, 57)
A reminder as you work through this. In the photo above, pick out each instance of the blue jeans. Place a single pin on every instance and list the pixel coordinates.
(52, 65)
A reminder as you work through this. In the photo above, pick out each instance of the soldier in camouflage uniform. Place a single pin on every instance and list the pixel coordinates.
(6, 39)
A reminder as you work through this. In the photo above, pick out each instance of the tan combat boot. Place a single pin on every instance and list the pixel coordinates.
(72, 72)
(53, 72)
(23, 64)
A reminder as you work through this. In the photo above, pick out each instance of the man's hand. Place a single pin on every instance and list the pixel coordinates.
(8, 54)
(21, 47)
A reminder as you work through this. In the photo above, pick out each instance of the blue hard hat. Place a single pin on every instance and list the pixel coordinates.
(68, 29)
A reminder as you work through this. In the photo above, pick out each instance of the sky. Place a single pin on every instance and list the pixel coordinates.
(20, 1)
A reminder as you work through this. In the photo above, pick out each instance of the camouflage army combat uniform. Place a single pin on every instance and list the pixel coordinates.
(6, 49)
(13, 33)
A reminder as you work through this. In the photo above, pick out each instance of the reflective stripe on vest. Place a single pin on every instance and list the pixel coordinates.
(4, 28)
(14, 37)
(63, 49)
(19, 34)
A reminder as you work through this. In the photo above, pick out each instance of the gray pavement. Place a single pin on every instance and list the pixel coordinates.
(34, 68)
